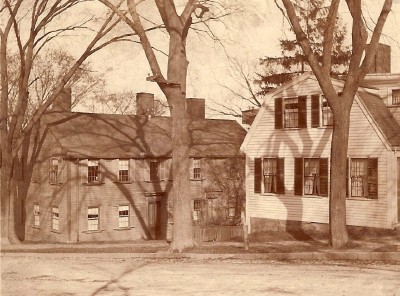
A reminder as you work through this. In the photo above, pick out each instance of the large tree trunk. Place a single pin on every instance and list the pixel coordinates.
(337, 200)
(176, 96)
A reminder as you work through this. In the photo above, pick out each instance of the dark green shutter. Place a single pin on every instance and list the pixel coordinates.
(298, 176)
(280, 173)
(278, 113)
(315, 111)
(302, 111)
(323, 176)
(257, 175)
(372, 178)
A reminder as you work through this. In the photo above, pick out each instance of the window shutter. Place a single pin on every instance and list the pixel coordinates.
(35, 172)
(84, 170)
(298, 176)
(347, 177)
(139, 170)
(49, 170)
(372, 178)
(146, 169)
(191, 170)
(62, 171)
(315, 110)
(171, 173)
(323, 176)
(132, 170)
(131, 216)
(257, 175)
(162, 169)
(302, 111)
(280, 172)
(102, 170)
(115, 217)
(278, 113)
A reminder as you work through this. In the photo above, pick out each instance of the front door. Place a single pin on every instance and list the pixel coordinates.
(154, 219)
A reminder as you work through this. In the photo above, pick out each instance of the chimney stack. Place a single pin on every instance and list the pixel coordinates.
(381, 62)
(64, 100)
(145, 104)
(196, 108)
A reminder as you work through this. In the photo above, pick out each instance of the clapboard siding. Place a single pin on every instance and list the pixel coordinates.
(266, 141)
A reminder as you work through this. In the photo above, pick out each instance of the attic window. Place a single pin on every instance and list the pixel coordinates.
(54, 170)
(291, 112)
(396, 97)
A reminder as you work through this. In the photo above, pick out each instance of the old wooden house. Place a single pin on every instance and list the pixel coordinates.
(288, 148)
(102, 177)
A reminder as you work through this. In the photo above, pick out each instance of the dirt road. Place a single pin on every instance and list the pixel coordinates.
(117, 274)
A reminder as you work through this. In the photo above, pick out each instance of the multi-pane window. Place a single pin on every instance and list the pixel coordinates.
(396, 97)
(123, 174)
(54, 170)
(311, 176)
(93, 218)
(358, 176)
(55, 221)
(93, 171)
(196, 169)
(291, 112)
(154, 170)
(123, 216)
(326, 111)
(197, 210)
(269, 174)
(36, 215)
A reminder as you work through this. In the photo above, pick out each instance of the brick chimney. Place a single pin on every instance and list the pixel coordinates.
(381, 62)
(64, 100)
(196, 108)
(249, 115)
(144, 104)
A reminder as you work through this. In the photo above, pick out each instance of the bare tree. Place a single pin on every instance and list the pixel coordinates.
(173, 85)
(360, 61)
(29, 27)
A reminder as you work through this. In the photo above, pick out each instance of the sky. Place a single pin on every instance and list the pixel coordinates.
(245, 36)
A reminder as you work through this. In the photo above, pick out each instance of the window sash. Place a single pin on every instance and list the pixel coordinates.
(291, 112)
(93, 171)
(197, 210)
(396, 97)
(270, 175)
(327, 115)
(359, 177)
(93, 218)
(36, 214)
(54, 170)
(154, 171)
(55, 218)
(311, 176)
(123, 216)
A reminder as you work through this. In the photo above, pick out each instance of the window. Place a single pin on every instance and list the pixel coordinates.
(197, 210)
(327, 116)
(55, 221)
(396, 97)
(36, 215)
(154, 174)
(311, 176)
(123, 174)
(291, 112)
(93, 218)
(123, 216)
(93, 171)
(363, 174)
(269, 175)
(54, 170)
(196, 166)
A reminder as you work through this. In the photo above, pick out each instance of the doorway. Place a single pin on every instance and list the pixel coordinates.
(154, 219)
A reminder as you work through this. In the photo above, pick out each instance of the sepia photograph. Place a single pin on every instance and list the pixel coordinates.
(200, 147)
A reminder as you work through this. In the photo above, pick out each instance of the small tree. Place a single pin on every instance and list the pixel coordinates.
(312, 16)
(321, 64)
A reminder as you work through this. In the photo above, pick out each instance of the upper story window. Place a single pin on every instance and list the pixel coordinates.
(154, 170)
(93, 171)
(363, 177)
(311, 176)
(321, 113)
(123, 173)
(195, 170)
(291, 112)
(54, 170)
(269, 175)
(396, 97)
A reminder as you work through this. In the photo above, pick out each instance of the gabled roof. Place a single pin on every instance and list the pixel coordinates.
(89, 135)
(382, 116)
(379, 112)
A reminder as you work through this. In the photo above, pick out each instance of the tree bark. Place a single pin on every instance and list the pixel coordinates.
(337, 200)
